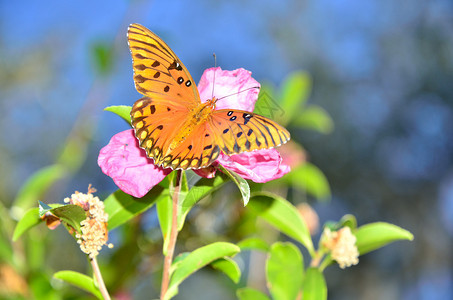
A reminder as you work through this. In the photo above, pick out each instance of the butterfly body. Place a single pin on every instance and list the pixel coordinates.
(198, 117)
(171, 123)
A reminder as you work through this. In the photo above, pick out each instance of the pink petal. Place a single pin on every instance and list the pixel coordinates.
(129, 167)
(259, 166)
(232, 84)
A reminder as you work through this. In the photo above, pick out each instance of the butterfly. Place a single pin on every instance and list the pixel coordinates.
(173, 126)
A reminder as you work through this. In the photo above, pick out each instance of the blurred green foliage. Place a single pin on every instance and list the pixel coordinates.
(244, 230)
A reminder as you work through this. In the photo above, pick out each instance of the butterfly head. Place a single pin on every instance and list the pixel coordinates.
(211, 103)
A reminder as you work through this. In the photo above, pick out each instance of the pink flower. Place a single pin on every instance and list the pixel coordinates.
(229, 83)
(135, 174)
(131, 170)
(259, 166)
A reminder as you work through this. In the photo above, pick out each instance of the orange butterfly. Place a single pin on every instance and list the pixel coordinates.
(175, 128)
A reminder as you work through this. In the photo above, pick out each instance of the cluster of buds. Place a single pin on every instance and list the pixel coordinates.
(341, 245)
(94, 228)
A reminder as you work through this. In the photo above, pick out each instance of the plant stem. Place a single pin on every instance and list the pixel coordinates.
(173, 235)
(99, 279)
(316, 259)
(325, 263)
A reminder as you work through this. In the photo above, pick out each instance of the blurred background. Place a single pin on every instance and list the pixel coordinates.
(382, 71)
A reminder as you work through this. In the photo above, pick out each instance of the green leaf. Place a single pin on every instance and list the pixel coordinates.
(30, 219)
(123, 111)
(177, 261)
(376, 235)
(79, 280)
(44, 208)
(164, 214)
(250, 294)
(284, 271)
(196, 260)
(316, 118)
(229, 267)
(314, 285)
(102, 54)
(240, 182)
(39, 286)
(201, 189)
(37, 185)
(74, 151)
(282, 215)
(36, 250)
(309, 178)
(6, 250)
(294, 93)
(347, 220)
(70, 214)
(253, 243)
(122, 207)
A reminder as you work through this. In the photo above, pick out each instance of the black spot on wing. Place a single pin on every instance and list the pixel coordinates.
(246, 117)
(140, 78)
(141, 67)
(139, 56)
(258, 143)
(175, 65)
(215, 152)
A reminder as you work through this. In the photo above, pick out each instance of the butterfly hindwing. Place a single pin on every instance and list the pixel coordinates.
(238, 131)
(198, 150)
(158, 72)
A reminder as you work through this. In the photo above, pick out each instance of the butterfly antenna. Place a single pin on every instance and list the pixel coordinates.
(248, 89)
(215, 69)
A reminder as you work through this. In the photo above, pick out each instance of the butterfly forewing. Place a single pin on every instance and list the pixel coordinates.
(158, 72)
(156, 122)
(239, 131)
